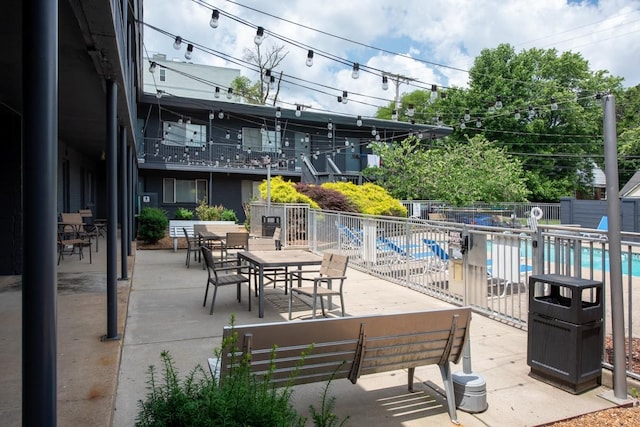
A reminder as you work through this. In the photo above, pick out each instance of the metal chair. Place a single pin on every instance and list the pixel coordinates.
(235, 240)
(332, 269)
(192, 246)
(220, 276)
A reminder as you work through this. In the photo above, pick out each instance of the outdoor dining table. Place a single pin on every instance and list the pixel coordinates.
(207, 237)
(269, 259)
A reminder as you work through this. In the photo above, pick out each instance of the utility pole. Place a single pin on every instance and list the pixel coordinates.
(615, 263)
(397, 80)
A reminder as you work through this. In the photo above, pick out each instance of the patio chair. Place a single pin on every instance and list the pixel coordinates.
(75, 220)
(272, 274)
(332, 269)
(603, 226)
(192, 246)
(441, 258)
(234, 240)
(71, 243)
(220, 276)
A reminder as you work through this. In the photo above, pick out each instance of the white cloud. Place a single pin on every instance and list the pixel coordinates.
(445, 32)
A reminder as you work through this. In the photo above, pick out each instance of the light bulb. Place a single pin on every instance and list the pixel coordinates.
(330, 125)
(278, 112)
(498, 102)
(298, 111)
(329, 135)
(377, 137)
(411, 110)
(462, 124)
(355, 73)
(227, 135)
(213, 22)
(221, 114)
(359, 121)
(346, 142)
(188, 120)
(217, 92)
(532, 112)
(180, 121)
(259, 36)
(467, 116)
(177, 42)
(394, 115)
(239, 135)
(238, 146)
(152, 67)
(309, 58)
(286, 142)
(339, 100)
(434, 93)
(478, 123)
(492, 108)
(344, 96)
(278, 127)
(554, 104)
(158, 94)
(229, 93)
(516, 114)
(385, 83)
(211, 116)
(306, 137)
(189, 53)
(373, 131)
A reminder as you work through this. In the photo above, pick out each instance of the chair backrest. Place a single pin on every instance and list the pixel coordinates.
(197, 228)
(72, 220)
(333, 265)
(190, 240)
(237, 240)
(437, 249)
(208, 260)
(603, 225)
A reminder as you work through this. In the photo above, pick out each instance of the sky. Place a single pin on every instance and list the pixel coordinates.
(418, 43)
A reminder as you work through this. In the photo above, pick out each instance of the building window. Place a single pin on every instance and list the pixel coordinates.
(163, 75)
(258, 140)
(184, 134)
(183, 190)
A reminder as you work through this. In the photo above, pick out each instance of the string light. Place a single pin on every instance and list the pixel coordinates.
(359, 121)
(215, 15)
(189, 53)
(498, 102)
(259, 36)
(330, 124)
(355, 73)
(309, 58)
(516, 114)
(467, 115)
(278, 112)
(411, 110)
(394, 115)
(434, 93)
(152, 67)
(554, 104)
(298, 111)
(344, 97)
(385, 82)
(177, 43)
(221, 114)
(217, 92)
(229, 93)
(211, 116)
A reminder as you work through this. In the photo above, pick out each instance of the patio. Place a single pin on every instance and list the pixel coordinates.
(165, 313)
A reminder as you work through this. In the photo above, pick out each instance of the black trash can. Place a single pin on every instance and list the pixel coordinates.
(565, 331)
(269, 225)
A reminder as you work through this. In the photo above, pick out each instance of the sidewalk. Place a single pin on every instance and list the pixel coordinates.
(166, 313)
(100, 383)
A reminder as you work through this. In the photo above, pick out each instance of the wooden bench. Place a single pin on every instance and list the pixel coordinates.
(350, 347)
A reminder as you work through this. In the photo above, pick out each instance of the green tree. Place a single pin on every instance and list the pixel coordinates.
(553, 144)
(459, 174)
(628, 129)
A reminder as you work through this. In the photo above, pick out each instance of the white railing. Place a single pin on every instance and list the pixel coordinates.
(490, 273)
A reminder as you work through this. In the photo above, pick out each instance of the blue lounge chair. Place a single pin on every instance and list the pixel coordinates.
(603, 226)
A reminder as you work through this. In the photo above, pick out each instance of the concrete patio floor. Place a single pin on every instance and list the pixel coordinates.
(160, 308)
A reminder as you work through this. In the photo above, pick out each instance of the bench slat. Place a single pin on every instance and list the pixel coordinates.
(349, 347)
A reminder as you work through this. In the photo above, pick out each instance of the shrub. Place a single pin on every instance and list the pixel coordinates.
(241, 399)
(204, 212)
(229, 215)
(327, 198)
(152, 224)
(285, 192)
(183, 213)
(370, 199)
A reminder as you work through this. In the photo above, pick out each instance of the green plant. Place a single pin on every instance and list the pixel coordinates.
(183, 213)
(325, 417)
(229, 215)
(240, 399)
(204, 212)
(152, 224)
